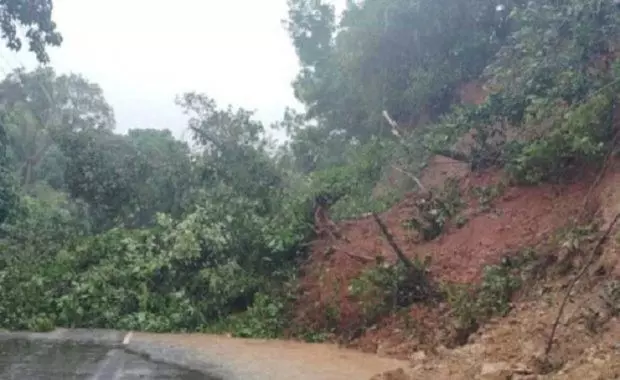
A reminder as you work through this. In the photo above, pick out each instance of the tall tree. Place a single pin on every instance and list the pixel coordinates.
(33, 16)
(404, 56)
(233, 149)
(43, 108)
(7, 191)
(165, 176)
(102, 170)
(127, 179)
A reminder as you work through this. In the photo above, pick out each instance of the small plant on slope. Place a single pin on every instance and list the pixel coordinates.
(436, 209)
(472, 306)
(386, 288)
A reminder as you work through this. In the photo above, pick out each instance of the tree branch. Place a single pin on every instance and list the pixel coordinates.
(390, 239)
(589, 262)
(457, 156)
(410, 175)
(356, 257)
(393, 124)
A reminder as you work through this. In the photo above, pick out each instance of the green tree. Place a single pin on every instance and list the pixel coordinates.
(242, 187)
(8, 196)
(165, 179)
(102, 170)
(128, 179)
(35, 16)
(405, 57)
(43, 108)
(233, 149)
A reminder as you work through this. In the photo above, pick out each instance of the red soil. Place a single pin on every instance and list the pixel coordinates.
(521, 217)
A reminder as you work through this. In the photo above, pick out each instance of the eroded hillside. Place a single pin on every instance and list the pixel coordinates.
(542, 234)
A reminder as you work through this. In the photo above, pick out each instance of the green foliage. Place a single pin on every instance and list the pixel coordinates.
(579, 137)
(436, 209)
(473, 305)
(349, 188)
(103, 171)
(267, 318)
(402, 56)
(487, 194)
(559, 72)
(165, 175)
(41, 111)
(41, 222)
(553, 92)
(188, 269)
(233, 151)
(126, 180)
(387, 288)
(8, 196)
(35, 16)
(180, 276)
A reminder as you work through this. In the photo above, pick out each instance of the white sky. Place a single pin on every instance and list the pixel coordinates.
(144, 52)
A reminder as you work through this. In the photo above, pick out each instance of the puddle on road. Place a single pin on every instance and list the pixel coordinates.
(24, 359)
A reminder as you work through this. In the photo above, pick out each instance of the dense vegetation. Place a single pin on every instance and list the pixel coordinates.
(142, 231)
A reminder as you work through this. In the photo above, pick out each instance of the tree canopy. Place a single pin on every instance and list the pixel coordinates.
(34, 17)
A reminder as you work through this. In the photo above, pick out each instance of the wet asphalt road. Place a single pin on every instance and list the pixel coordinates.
(30, 359)
(94, 354)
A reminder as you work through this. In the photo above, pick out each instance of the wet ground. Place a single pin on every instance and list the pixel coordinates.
(32, 359)
(87, 354)
(260, 359)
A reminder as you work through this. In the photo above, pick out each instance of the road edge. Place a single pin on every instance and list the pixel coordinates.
(124, 340)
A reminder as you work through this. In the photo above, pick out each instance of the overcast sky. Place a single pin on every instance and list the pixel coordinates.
(144, 52)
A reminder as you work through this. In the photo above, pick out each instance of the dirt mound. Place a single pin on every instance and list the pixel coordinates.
(512, 347)
(520, 217)
(586, 343)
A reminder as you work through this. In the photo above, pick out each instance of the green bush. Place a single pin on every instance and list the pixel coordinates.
(177, 276)
(386, 288)
(472, 306)
(436, 210)
(579, 137)
(267, 318)
(487, 194)
(348, 188)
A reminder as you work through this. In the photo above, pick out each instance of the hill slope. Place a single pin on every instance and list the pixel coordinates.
(495, 223)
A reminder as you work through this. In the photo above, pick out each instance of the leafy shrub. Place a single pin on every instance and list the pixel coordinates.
(266, 318)
(348, 188)
(552, 94)
(386, 288)
(436, 209)
(41, 324)
(579, 137)
(487, 194)
(177, 276)
(611, 297)
(40, 225)
(472, 306)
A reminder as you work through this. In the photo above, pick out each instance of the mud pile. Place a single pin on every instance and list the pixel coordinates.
(518, 218)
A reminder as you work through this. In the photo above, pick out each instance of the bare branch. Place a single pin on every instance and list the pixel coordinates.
(392, 123)
(591, 260)
(390, 239)
(410, 175)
